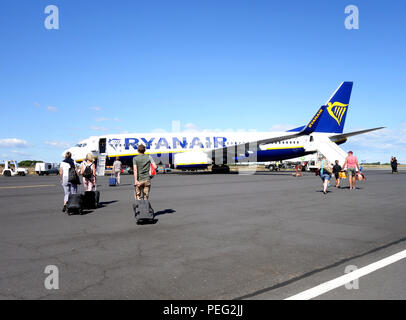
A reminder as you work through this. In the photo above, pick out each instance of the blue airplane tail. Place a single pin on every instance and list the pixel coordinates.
(331, 116)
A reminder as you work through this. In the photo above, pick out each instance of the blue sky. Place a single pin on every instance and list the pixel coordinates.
(134, 66)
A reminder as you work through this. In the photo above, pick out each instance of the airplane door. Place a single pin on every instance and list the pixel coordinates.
(102, 145)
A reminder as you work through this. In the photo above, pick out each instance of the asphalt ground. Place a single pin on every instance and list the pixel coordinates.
(217, 236)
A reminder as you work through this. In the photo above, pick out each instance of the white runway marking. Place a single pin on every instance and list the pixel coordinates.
(340, 281)
(35, 186)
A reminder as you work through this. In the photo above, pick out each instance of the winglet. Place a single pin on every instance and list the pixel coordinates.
(312, 125)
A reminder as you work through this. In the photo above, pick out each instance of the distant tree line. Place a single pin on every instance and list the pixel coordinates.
(376, 163)
(29, 163)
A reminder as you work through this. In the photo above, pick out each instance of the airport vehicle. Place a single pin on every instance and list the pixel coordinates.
(11, 169)
(313, 162)
(308, 162)
(46, 168)
(274, 165)
(163, 168)
(191, 151)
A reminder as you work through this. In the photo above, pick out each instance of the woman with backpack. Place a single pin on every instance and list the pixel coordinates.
(69, 178)
(88, 171)
(325, 170)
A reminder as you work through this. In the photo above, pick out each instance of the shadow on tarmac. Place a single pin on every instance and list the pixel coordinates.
(144, 222)
(158, 213)
(106, 203)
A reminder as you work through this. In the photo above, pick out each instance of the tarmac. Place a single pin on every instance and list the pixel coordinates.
(217, 236)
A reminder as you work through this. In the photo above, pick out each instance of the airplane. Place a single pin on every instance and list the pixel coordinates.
(191, 151)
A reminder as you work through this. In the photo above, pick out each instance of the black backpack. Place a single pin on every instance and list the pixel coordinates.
(87, 173)
(73, 176)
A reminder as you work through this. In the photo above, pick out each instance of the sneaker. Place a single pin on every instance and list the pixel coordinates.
(64, 208)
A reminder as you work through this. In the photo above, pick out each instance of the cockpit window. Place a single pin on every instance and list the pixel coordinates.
(81, 145)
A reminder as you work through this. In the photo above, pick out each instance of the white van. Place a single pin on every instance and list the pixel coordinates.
(47, 168)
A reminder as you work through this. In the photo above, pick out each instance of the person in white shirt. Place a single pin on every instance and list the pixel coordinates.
(68, 187)
(117, 170)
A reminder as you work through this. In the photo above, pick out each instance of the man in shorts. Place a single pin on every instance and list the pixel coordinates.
(351, 162)
(142, 179)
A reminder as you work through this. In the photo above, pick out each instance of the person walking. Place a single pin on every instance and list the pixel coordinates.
(351, 162)
(394, 165)
(142, 179)
(117, 170)
(336, 170)
(68, 177)
(88, 171)
(325, 170)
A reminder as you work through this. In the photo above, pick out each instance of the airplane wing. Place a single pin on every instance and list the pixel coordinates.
(344, 136)
(253, 144)
(306, 130)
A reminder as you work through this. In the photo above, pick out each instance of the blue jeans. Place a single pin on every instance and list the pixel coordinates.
(325, 176)
(68, 189)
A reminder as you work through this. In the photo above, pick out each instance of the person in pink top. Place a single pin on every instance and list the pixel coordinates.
(352, 165)
(88, 171)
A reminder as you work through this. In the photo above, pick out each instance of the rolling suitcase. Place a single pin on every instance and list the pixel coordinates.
(143, 211)
(112, 181)
(91, 199)
(74, 204)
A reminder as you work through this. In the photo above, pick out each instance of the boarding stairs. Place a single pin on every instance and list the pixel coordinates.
(101, 164)
(329, 149)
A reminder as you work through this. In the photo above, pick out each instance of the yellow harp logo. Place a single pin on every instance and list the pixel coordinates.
(337, 110)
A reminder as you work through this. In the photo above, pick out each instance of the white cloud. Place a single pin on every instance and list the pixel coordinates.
(13, 143)
(383, 139)
(116, 119)
(97, 128)
(13, 154)
(52, 109)
(102, 119)
(281, 127)
(58, 144)
(96, 108)
(379, 145)
(191, 127)
(20, 153)
(36, 104)
(158, 130)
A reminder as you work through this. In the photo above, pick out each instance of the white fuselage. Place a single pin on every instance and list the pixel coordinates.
(164, 146)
